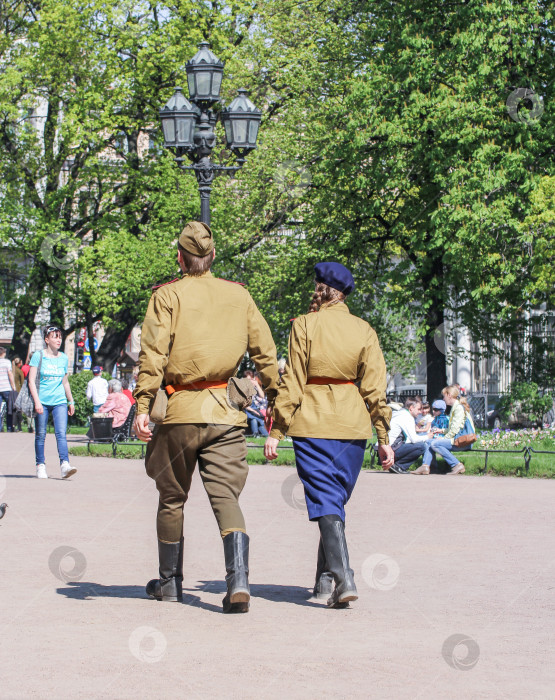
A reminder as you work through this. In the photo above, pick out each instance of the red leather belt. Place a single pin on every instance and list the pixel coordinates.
(196, 386)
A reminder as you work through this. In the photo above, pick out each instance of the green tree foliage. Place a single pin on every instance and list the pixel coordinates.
(538, 231)
(302, 57)
(386, 144)
(413, 152)
(423, 175)
(92, 210)
(525, 403)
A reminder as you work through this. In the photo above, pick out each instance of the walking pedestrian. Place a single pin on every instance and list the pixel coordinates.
(28, 418)
(53, 397)
(332, 390)
(19, 378)
(7, 385)
(194, 336)
(18, 375)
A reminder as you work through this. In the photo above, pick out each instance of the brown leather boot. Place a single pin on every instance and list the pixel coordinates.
(424, 469)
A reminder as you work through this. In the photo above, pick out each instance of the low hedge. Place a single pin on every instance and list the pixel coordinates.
(83, 407)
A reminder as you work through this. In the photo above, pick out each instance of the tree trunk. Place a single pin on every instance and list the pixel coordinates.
(436, 377)
(58, 301)
(27, 306)
(115, 339)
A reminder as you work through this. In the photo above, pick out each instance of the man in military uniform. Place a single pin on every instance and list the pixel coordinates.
(194, 336)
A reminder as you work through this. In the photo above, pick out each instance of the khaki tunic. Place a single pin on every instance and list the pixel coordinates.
(333, 343)
(199, 328)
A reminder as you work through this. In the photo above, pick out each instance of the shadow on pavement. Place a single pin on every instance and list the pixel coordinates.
(19, 476)
(273, 592)
(86, 590)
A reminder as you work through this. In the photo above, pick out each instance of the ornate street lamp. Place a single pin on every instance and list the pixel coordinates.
(189, 128)
(178, 118)
(204, 76)
(241, 121)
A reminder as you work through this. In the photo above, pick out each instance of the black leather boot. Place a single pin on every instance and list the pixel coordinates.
(323, 586)
(236, 553)
(169, 587)
(332, 531)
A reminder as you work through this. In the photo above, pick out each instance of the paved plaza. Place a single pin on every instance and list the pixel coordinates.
(456, 579)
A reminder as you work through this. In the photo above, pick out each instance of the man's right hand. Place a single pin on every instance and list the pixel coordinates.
(140, 425)
(38, 407)
(387, 456)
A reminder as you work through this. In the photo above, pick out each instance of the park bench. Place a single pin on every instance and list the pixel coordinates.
(102, 433)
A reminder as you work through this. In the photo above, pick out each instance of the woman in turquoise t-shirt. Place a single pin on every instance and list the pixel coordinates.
(53, 396)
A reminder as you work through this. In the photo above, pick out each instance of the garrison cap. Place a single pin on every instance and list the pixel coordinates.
(197, 238)
(335, 275)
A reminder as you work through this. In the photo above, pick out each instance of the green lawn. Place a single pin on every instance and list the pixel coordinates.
(541, 466)
(510, 464)
(123, 452)
(71, 429)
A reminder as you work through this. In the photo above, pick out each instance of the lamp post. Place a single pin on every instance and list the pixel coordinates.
(188, 124)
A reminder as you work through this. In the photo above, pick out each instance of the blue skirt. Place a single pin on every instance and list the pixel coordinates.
(329, 470)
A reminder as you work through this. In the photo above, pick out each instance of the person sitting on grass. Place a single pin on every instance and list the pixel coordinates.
(424, 419)
(256, 412)
(440, 423)
(444, 446)
(406, 444)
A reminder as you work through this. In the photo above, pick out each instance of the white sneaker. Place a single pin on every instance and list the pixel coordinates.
(67, 470)
(41, 471)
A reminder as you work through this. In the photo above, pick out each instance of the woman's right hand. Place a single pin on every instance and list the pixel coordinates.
(38, 407)
(270, 448)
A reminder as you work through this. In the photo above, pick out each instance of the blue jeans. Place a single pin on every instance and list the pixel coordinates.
(59, 416)
(4, 397)
(428, 454)
(407, 453)
(445, 449)
(256, 425)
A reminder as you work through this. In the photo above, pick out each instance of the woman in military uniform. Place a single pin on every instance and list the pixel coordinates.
(332, 391)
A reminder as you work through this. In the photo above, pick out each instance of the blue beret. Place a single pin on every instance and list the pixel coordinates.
(439, 404)
(335, 275)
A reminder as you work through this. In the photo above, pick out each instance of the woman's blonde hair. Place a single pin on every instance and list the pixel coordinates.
(324, 294)
(454, 392)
